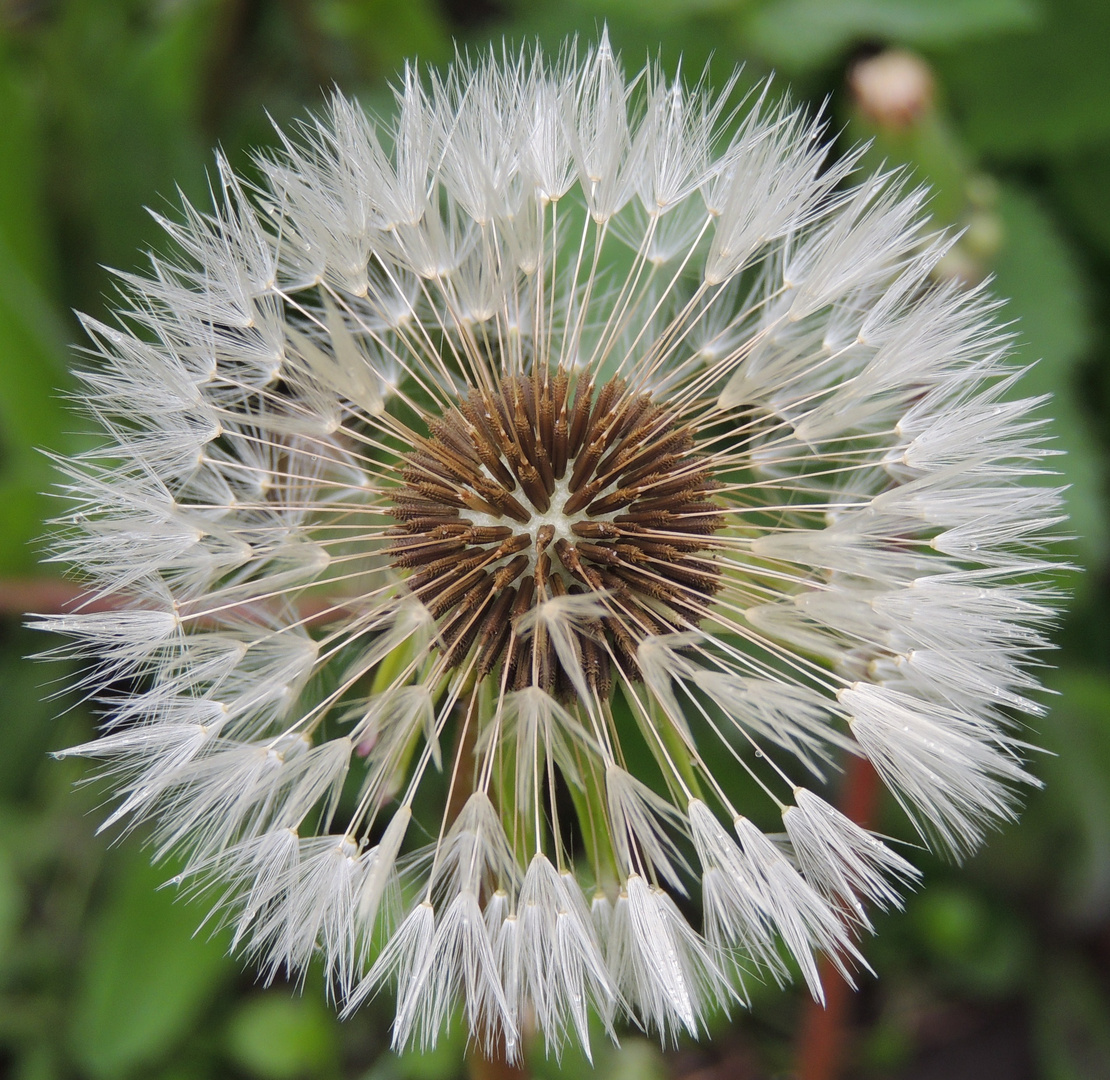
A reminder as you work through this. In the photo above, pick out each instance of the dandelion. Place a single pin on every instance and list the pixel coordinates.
(595, 452)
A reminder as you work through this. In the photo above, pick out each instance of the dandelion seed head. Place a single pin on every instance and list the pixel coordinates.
(568, 419)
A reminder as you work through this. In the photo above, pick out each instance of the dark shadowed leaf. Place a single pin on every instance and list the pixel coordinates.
(1083, 182)
(1072, 1024)
(1077, 731)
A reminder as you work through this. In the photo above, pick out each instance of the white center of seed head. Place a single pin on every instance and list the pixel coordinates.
(555, 517)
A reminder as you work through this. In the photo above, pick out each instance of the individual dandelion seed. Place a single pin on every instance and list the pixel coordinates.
(577, 421)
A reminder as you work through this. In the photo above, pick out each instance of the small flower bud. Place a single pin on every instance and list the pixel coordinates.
(893, 89)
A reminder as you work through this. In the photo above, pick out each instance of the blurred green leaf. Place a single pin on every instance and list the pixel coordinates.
(1037, 272)
(40, 1064)
(930, 149)
(11, 903)
(887, 1047)
(146, 978)
(24, 224)
(277, 1037)
(444, 1061)
(385, 33)
(29, 731)
(634, 1059)
(982, 949)
(1043, 91)
(665, 12)
(801, 34)
(186, 1070)
(31, 350)
(126, 80)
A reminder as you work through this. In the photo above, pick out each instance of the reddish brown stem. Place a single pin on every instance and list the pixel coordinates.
(56, 596)
(824, 1031)
(46, 596)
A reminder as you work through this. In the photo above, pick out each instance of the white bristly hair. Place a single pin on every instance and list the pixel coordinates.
(603, 444)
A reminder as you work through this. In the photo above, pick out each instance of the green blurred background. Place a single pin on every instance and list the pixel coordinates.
(998, 970)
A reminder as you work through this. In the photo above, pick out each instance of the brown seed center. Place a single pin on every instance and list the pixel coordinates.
(535, 489)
